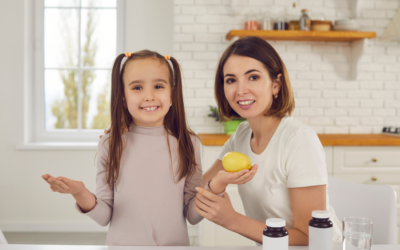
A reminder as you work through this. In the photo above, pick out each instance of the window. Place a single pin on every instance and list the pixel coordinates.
(76, 42)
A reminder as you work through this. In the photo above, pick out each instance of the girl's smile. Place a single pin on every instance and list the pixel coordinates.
(150, 108)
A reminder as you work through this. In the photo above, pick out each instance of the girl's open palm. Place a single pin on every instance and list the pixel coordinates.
(64, 185)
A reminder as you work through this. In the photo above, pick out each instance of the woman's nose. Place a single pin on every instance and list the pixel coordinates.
(241, 88)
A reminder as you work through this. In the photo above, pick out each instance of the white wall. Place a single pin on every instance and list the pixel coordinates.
(149, 25)
(26, 201)
(319, 71)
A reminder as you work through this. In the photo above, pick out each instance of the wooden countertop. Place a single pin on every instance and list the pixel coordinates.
(326, 139)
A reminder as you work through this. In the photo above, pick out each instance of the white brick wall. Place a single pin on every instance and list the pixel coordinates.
(326, 99)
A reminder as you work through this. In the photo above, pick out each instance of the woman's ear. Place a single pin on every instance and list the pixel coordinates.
(277, 83)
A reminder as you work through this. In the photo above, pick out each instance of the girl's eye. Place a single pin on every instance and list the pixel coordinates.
(137, 88)
(230, 80)
(159, 87)
(254, 77)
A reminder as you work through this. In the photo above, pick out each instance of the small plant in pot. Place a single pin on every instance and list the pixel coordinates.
(229, 126)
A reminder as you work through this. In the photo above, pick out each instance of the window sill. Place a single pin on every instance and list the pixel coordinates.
(58, 146)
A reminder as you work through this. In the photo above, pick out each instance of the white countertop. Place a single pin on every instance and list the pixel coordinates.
(73, 247)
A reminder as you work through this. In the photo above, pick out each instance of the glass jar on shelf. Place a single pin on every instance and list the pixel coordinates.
(294, 18)
(251, 22)
(266, 22)
(280, 22)
(305, 21)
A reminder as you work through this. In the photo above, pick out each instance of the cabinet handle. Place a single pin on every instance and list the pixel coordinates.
(374, 160)
(374, 179)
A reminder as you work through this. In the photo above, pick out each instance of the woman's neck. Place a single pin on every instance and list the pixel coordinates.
(263, 126)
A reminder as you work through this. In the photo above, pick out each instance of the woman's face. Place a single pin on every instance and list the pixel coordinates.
(248, 87)
(147, 91)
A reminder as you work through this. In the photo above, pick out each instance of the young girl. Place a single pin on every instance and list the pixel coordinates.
(149, 164)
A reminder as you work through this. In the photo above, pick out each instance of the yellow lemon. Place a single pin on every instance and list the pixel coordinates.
(235, 161)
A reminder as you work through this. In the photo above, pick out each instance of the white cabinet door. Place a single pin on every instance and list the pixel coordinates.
(209, 156)
(367, 159)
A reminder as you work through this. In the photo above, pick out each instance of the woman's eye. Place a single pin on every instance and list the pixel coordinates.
(230, 80)
(254, 77)
(137, 88)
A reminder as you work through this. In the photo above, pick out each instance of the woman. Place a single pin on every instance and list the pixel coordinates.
(252, 82)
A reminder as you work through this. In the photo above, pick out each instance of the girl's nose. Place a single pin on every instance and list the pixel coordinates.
(148, 99)
(149, 96)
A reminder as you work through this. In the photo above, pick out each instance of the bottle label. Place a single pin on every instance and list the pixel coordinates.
(281, 243)
(320, 238)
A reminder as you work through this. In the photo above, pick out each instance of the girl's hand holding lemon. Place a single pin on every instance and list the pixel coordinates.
(238, 170)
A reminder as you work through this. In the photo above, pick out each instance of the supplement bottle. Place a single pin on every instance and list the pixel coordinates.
(275, 236)
(320, 232)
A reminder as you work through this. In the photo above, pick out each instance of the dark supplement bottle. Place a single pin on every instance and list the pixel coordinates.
(275, 236)
(320, 232)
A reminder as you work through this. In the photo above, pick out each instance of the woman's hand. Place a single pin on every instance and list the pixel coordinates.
(215, 208)
(239, 178)
(223, 179)
(106, 131)
(64, 185)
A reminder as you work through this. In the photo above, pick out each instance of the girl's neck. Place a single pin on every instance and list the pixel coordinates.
(144, 130)
(263, 126)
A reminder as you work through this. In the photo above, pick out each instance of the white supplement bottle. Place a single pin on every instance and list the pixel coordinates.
(275, 236)
(320, 232)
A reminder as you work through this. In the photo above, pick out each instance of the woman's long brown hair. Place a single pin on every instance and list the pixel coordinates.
(174, 121)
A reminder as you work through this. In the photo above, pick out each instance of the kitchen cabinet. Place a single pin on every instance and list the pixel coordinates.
(362, 164)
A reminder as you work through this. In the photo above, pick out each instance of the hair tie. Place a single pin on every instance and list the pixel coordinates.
(128, 54)
(167, 57)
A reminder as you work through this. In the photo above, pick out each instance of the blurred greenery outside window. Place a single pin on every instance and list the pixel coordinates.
(79, 46)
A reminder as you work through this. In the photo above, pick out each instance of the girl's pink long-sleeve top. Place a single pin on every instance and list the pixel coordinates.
(146, 207)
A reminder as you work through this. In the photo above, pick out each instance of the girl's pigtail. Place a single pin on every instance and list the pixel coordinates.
(119, 122)
(179, 128)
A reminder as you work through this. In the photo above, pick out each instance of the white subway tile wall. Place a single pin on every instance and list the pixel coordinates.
(326, 99)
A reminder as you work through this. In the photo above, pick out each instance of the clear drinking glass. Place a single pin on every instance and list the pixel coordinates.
(357, 233)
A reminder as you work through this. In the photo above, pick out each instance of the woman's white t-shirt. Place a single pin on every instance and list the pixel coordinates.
(293, 158)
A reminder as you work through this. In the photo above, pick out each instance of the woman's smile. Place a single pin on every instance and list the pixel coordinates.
(246, 104)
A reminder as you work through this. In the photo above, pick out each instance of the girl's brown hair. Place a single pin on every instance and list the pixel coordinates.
(262, 51)
(174, 120)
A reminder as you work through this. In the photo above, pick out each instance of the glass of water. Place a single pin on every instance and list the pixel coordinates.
(357, 233)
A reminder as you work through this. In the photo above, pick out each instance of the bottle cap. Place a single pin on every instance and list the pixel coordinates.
(275, 222)
(321, 214)
(304, 10)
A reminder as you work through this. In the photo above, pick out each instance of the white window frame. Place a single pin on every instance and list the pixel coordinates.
(35, 132)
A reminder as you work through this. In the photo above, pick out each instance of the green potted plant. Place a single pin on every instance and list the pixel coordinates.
(229, 126)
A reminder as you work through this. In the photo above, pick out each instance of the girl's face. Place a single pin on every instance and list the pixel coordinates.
(248, 87)
(147, 91)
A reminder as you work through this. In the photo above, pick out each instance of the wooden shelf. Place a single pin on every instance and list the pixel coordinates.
(326, 139)
(299, 35)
